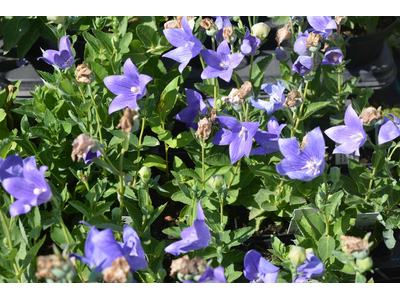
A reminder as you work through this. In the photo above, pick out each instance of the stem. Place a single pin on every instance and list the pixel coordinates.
(108, 160)
(221, 205)
(250, 25)
(390, 156)
(292, 28)
(203, 163)
(87, 117)
(235, 173)
(97, 114)
(236, 79)
(300, 112)
(215, 90)
(251, 67)
(140, 147)
(121, 180)
(326, 202)
(203, 65)
(147, 195)
(192, 211)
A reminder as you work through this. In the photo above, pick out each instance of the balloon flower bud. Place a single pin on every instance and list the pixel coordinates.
(260, 30)
(145, 173)
(297, 256)
(217, 182)
(364, 264)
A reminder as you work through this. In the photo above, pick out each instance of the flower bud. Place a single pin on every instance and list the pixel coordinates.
(340, 20)
(236, 18)
(292, 98)
(283, 34)
(128, 179)
(313, 42)
(370, 115)
(204, 129)
(260, 30)
(365, 264)
(280, 54)
(145, 173)
(82, 73)
(217, 182)
(118, 271)
(297, 255)
(56, 19)
(206, 23)
(227, 34)
(127, 120)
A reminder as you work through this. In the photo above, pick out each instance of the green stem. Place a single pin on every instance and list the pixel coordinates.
(292, 28)
(390, 156)
(236, 79)
(250, 25)
(121, 181)
(139, 148)
(87, 117)
(215, 90)
(234, 174)
(221, 205)
(326, 202)
(147, 195)
(203, 66)
(108, 160)
(203, 162)
(97, 114)
(300, 111)
(251, 67)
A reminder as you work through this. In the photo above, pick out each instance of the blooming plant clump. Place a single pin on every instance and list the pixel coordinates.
(166, 139)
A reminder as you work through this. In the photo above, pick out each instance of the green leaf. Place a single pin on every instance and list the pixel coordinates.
(257, 77)
(6, 273)
(147, 35)
(13, 31)
(31, 254)
(168, 97)
(173, 231)
(150, 141)
(190, 173)
(326, 245)
(103, 164)
(79, 206)
(355, 170)
(2, 114)
(105, 40)
(360, 278)
(334, 203)
(238, 236)
(218, 160)
(315, 222)
(27, 41)
(153, 216)
(389, 239)
(155, 161)
(313, 107)
(181, 197)
(99, 70)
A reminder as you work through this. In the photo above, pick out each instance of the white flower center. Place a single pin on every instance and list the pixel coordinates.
(357, 137)
(335, 58)
(224, 65)
(243, 131)
(134, 89)
(312, 166)
(37, 191)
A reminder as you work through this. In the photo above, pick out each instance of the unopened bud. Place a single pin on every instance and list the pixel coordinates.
(145, 173)
(260, 30)
(217, 182)
(365, 264)
(370, 115)
(204, 129)
(56, 19)
(283, 34)
(292, 98)
(297, 256)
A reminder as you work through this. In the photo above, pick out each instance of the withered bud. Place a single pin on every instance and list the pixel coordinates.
(126, 122)
(354, 243)
(292, 99)
(184, 266)
(172, 24)
(233, 98)
(82, 73)
(204, 129)
(313, 39)
(206, 23)
(326, 46)
(45, 264)
(213, 115)
(340, 20)
(244, 90)
(283, 34)
(304, 142)
(189, 19)
(166, 18)
(169, 219)
(10, 88)
(81, 146)
(370, 115)
(118, 272)
(227, 33)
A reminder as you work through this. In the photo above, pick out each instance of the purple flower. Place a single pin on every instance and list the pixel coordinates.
(322, 25)
(259, 270)
(303, 65)
(312, 267)
(250, 44)
(129, 87)
(300, 45)
(195, 107)
(101, 249)
(303, 165)
(187, 45)
(220, 63)
(90, 155)
(268, 140)
(221, 23)
(211, 276)
(64, 58)
(276, 98)
(333, 56)
(350, 136)
(239, 137)
(194, 237)
(389, 130)
(25, 182)
(280, 54)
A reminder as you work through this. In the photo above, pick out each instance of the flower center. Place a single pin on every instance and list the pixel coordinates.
(357, 137)
(312, 166)
(335, 58)
(37, 191)
(134, 89)
(243, 131)
(224, 65)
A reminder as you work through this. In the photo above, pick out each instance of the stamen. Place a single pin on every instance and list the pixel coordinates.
(37, 191)
(243, 131)
(222, 65)
(134, 89)
(312, 166)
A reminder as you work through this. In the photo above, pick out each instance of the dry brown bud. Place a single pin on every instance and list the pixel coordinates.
(304, 142)
(82, 73)
(189, 19)
(204, 129)
(126, 122)
(118, 271)
(184, 266)
(45, 264)
(169, 219)
(233, 98)
(292, 98)
(227, 33)
(283, 34)
(354, 243)
(326, 46)
(10, 88)
(339, 20)
(81, 146)
(213, 115)
(172, 24)
(313, 39)
(244, 90)
(206, 23)
(166, 18)
(370, 115)
(135, 19)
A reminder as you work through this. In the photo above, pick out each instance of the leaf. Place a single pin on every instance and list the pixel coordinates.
(103, 164)
(173, 231)
(257, 77)
(360, 278)
(334, 202)
(238, 236)
(389, 239)
(147, 35)
(168, 97)
(181, 197)
(105, 40)
(155, 161)
(153, 216)
(79, 206)
(31, 254)
(326, 245)
(99, 70)
(190, 173)
(315, 222)
(313, 107)
(150, 141)
(13, 31)
(218, 160)
(6, 273)
(2, 114)
(355, 170)
(27, 41)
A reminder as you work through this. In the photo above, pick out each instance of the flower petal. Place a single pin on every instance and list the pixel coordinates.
(388, 131)
(122, 101)
(119, 84)
(130, 69)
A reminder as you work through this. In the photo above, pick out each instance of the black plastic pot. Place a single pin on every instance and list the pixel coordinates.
(363, 49)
